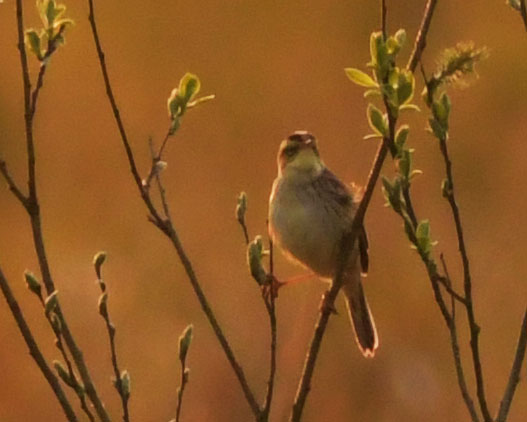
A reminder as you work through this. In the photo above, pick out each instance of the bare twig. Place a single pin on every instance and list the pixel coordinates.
(383, 20)
(467, 284)
(462, 382)
(181, 390)
(346, 247)
(514, 377)
(34, 350)
(167, 227)
(420, 41)
(33, 209)
(271, 310)
(103, 311)
(12, 185)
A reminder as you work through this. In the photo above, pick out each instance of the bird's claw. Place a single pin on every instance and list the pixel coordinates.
(270, 289)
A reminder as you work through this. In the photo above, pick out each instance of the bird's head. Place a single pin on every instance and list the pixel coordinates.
(298, 154)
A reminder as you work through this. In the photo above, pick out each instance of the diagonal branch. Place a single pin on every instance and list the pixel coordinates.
(420, 41)
(514, 377)
(34, 350)
(523, 12)
(467, 284)
(166, 226)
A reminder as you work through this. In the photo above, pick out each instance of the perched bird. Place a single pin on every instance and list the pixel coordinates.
(310, 210)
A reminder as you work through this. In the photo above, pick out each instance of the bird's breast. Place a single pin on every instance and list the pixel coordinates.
(305, 226)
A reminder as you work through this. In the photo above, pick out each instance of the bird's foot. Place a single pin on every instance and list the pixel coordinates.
(270, 290)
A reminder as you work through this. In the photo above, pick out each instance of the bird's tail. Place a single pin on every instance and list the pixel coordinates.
(360, 315)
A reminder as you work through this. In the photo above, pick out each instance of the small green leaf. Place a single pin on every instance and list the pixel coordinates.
(400, 36)
(32, 39)
(437, 128)
(189, 86)
(401, 135)
(200, 100)
(241, 207)
(378, 122)
(406, 86)
(32, 283)
(392, 193)
(415, 173)
(369, 93)
(404, 164)
(184, 342)
(360, 78)
(372, 136)
(411, 107)
(446, 188)
(51, 303)
(255, 253)
(422, 234)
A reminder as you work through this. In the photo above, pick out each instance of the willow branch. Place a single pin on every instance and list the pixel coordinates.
(167, 227)
(514, 377)
(523, 12)
(34, 350)
(12, 184)
(420, 41)
(467, 284)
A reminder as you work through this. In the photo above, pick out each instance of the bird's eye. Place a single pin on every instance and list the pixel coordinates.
(290, 150)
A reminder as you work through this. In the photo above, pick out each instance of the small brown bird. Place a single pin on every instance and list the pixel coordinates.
(310, 210)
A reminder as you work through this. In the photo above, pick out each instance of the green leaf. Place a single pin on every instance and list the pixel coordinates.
(32, 283)
(401, 135)
(372, 93)
(406, 86)
(63, 373)
(400, 36)
(404, 164)
(437, 128)
(422, 234)
(410, 107)
(415, 173)
(102, 305)
(392, 193)
(51, 303)
(372, 136)
(255, 253)
(360, 78)
(32, 39)
(378, 122)
(189, 86)
(241, 207)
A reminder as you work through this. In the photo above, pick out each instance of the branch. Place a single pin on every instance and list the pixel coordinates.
(34, 350)
(514, 377)
(12, 185)
(462, 382)
(346, 246)
(167, 227)
(467, 284)
(420, 41)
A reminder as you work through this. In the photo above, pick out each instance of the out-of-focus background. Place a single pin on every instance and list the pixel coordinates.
(275, 67)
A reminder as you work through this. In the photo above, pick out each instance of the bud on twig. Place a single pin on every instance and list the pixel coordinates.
(51, 303)
(98, 260)
(32, 283)
(184, 343)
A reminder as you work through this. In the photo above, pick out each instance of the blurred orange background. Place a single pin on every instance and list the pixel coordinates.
(275, 67)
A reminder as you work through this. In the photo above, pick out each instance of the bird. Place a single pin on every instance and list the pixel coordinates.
(310, 211)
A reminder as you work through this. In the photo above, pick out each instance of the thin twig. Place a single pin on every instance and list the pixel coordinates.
(420, 41)
(467, 284)
(12, 185)
(110, 328)
(346, 247)
(34, 350)
(383, 20)
(514, 377)
(462, 382)
(33, 210)
(181, 390)
(271, 310)
(167, 227)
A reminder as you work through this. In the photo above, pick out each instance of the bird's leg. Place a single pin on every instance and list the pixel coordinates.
(273, 284)
(325, 306)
